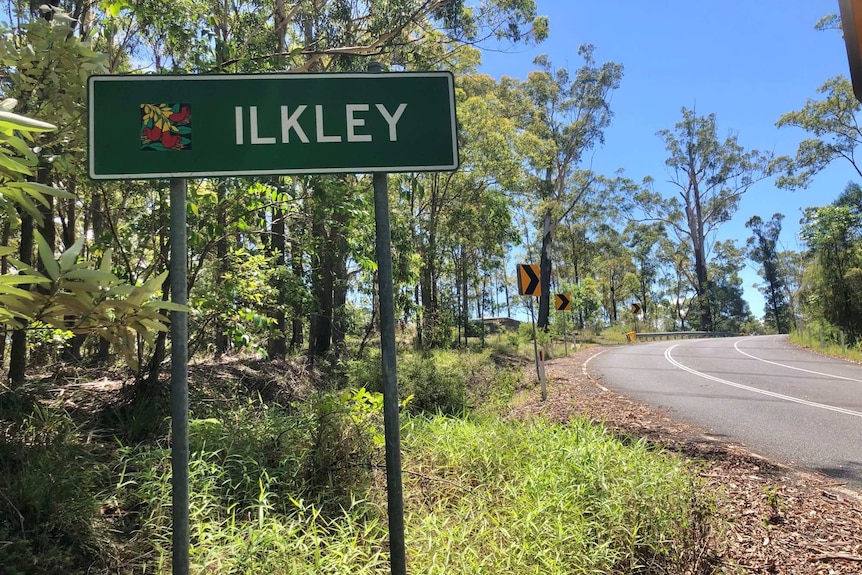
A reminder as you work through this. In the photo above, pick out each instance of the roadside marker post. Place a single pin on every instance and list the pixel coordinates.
(563, 302)
(529, 284)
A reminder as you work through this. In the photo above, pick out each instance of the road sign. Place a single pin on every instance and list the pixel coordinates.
(159, 126)
(563, 301)
(851, 24)
(636, 308)
(528, 280)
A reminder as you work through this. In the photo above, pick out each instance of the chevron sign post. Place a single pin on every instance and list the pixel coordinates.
(530, 284)
(563, 302)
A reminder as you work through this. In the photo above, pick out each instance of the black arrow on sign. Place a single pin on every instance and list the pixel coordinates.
(562, 302)
(533, 286)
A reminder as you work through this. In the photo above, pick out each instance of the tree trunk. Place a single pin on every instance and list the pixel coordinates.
(339, 285)
(296, 335)
(39, 355)
(104, 348)
(277, 344)
(18, 349)
(4, 269)
(465, 304)
(160, 348)
(428, 276)
(320, 328)
(220, 329)
(71, 352)
(702, 290)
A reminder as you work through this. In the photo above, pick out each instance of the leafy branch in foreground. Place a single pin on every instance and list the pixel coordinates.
(78, 297)
(84, 298)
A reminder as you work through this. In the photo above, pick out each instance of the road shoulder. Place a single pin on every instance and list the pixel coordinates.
(776, 519)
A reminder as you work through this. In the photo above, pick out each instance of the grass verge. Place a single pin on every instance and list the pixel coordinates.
(297, 488)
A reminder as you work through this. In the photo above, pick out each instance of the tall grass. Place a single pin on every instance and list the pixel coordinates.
(299, 489)
(486, 496)
(482, 496)
(828, 342)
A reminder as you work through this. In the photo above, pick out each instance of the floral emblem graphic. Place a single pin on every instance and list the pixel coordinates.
(166, 127)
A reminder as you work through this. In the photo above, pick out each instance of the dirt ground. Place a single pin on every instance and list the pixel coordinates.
(777, 520)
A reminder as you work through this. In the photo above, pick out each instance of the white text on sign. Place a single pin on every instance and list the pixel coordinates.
(290, 123)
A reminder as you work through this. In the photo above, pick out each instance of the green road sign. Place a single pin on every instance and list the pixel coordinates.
(154, 126)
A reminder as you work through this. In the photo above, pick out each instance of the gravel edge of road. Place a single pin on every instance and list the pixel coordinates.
(774, 519)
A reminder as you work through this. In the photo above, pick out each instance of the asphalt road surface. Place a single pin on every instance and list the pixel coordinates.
(792, 406)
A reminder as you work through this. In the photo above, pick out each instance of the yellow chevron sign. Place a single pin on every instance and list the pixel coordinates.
(563, 301)
(528, 280)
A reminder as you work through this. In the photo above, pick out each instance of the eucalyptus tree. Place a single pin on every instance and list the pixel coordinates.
(615, 271)
(729, 310)
(675, 281)
(463, 212)
(644, 241)
(835, 132)
(791, 266)
(833, 235)
(763, 249)
(708, 178)
(561, 116)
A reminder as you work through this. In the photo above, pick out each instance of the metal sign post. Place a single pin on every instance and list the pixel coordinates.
(565, 336)
(529, 284)
(392, 427)
(179, 382)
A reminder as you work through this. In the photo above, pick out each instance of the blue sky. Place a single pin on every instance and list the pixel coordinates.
(747, 61)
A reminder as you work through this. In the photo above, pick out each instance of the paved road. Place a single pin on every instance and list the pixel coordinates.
(795, 407)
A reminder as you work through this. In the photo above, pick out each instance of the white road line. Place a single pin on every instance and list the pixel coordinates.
(736, 347)
(584, 371)
(675, 363)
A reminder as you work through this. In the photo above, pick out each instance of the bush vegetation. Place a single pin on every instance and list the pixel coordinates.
(291, 481)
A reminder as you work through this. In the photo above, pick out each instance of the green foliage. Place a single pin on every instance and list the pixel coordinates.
(49, 479)
(448, 382)
(832, 123)
(248, 508)
(83, 297)
(436, 386)
(833, 234)
(296, 489)
(762, 249)
(18, 162)
(708, 178)
(536, 497)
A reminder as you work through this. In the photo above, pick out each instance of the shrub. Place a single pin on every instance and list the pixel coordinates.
(49, 479)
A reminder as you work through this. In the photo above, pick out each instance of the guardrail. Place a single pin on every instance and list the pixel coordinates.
(632, 336)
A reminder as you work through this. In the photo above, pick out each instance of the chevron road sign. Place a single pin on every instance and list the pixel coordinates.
(528, 280)
(563, 301)
(636, 308)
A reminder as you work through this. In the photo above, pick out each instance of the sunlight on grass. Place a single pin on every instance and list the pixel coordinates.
(485, 496)
(482, 496)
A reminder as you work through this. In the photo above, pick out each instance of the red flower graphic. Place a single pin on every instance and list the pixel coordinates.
(170, 140)
(166, 126)
(180, 117)
(153, 134)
